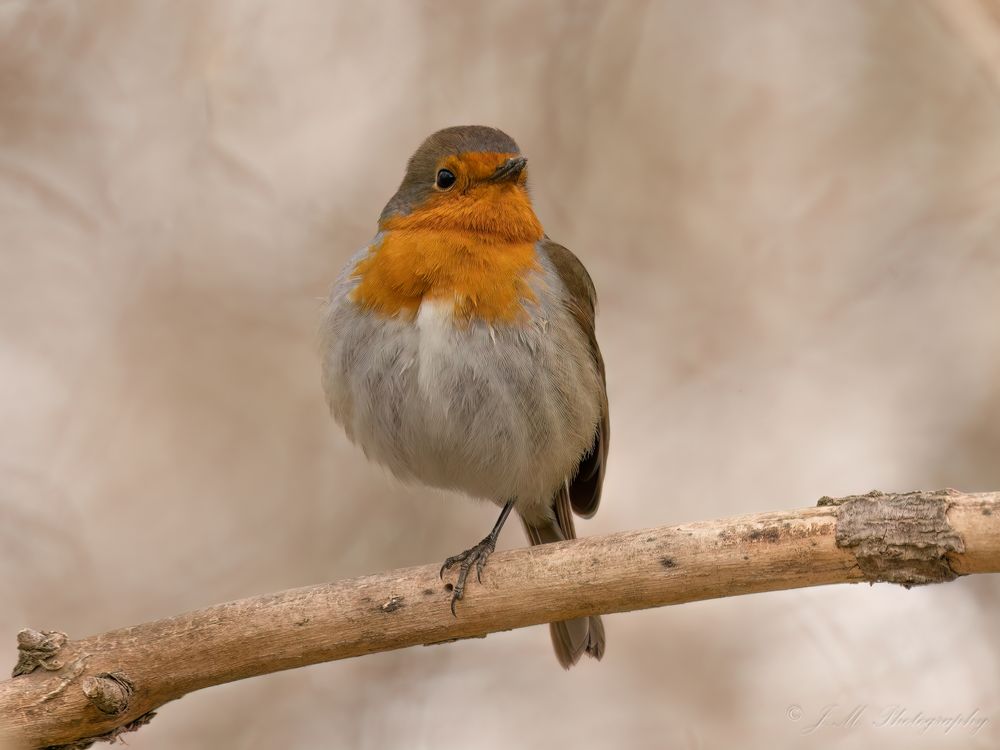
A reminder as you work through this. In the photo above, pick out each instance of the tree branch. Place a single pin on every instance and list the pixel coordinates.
(71, 692)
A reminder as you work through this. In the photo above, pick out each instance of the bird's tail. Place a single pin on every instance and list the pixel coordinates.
(570, 638)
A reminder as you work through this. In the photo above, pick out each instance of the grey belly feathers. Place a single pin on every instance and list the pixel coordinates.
(494, 411)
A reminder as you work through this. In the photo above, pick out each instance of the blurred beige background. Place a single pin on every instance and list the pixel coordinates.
(792, 214)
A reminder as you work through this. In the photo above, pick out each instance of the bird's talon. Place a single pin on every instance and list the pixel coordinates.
(477, 555)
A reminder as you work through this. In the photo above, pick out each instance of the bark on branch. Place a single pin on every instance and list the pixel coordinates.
(69, 693)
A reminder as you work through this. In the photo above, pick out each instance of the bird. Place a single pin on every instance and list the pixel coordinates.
(459, 351)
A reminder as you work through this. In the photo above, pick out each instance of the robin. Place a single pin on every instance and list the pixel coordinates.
(459, 351)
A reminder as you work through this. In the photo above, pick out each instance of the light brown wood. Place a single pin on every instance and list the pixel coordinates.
(67, 691)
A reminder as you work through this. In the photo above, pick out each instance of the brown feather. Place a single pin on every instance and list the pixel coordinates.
(571, 639)
(585, 487)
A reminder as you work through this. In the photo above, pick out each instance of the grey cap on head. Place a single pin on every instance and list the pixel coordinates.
(418, 182)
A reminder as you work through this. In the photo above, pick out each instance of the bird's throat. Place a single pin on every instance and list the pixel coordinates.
(485, 281)
(479, 261)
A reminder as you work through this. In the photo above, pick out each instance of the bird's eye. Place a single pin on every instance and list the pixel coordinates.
(445, 179)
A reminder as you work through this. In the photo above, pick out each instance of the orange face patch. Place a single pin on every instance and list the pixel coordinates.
(474, 244)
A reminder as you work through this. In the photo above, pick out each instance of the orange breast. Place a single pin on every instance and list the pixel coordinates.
(475, 249)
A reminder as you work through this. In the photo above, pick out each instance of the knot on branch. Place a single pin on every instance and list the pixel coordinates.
(904, 539)
(110, 692)
(38, 648)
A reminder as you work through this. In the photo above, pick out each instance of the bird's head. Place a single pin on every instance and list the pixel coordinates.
(469, 179)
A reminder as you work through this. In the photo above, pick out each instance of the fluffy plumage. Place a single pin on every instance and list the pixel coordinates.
(459, 349)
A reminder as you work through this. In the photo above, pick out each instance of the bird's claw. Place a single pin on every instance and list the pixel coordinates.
(474, 555)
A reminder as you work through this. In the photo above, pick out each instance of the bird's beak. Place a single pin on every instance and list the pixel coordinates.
(510, 170)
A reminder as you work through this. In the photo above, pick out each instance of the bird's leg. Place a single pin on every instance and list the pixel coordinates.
(477, 554)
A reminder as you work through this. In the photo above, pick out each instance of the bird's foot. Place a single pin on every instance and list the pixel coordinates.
(477, 556)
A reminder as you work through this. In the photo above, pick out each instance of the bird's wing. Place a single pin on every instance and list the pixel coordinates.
(581, 301)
